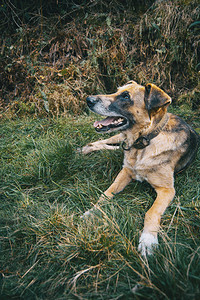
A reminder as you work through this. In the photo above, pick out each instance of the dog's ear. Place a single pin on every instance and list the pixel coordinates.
(155, 98)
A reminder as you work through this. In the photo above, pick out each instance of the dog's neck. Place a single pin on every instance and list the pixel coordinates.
(141, 138)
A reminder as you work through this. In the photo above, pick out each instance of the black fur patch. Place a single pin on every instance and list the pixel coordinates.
(119, 109)
(124, 100)
(191, 144)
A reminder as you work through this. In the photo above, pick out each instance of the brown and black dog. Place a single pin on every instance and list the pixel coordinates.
(156, 145)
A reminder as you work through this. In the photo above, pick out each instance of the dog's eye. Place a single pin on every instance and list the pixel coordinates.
(125, 96)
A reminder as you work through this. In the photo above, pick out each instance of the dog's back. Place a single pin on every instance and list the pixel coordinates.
(191, 144)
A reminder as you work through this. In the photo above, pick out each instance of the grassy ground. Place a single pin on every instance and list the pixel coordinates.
(48, 252)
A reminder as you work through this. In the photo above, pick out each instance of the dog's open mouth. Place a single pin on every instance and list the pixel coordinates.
(110, 123)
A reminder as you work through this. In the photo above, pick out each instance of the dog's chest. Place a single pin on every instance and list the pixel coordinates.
(136, 163)
(141, 162)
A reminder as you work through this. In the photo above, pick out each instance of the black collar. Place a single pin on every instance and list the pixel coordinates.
(144, 140)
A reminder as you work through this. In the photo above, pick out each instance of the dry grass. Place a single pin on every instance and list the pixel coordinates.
(47, 69)
(51, 73)
(48, 252)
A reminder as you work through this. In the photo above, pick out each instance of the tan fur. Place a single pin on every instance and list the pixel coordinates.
(155, 163)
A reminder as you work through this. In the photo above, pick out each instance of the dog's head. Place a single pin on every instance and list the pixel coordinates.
(132, 104)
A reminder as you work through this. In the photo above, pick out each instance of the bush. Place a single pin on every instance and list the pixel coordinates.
(52, 65)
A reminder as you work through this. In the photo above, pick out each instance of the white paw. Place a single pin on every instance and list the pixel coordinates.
(86, 149)
(147, 243)
(89, 213)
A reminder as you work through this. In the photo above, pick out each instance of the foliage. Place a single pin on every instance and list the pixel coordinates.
(48, 252)
(53, 54)
(50, 65)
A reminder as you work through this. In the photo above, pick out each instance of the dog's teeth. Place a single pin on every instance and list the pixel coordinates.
(120, 120)
(100, 126)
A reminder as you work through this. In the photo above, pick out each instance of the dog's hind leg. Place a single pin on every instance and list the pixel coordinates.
(152, 219)
(110, 144)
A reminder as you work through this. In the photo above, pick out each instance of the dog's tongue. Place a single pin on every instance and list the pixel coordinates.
(105, 122)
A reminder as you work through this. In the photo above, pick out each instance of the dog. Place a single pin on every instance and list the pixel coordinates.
(156, 145)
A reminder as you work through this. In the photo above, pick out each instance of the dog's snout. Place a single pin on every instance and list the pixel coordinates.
(91, 100)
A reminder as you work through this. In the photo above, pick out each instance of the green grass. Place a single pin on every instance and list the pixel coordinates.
(48, 252)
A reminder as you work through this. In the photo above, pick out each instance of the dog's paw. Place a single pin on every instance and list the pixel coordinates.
(89, 213)
(86, 149)
(147, 243)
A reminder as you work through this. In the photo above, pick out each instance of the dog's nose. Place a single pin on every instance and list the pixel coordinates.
(91, 101)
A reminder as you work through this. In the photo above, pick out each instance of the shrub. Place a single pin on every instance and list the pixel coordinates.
(50, 66)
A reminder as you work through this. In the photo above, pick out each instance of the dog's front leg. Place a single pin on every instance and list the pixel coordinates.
(149, 239)
(121, 181)
(103, 144)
